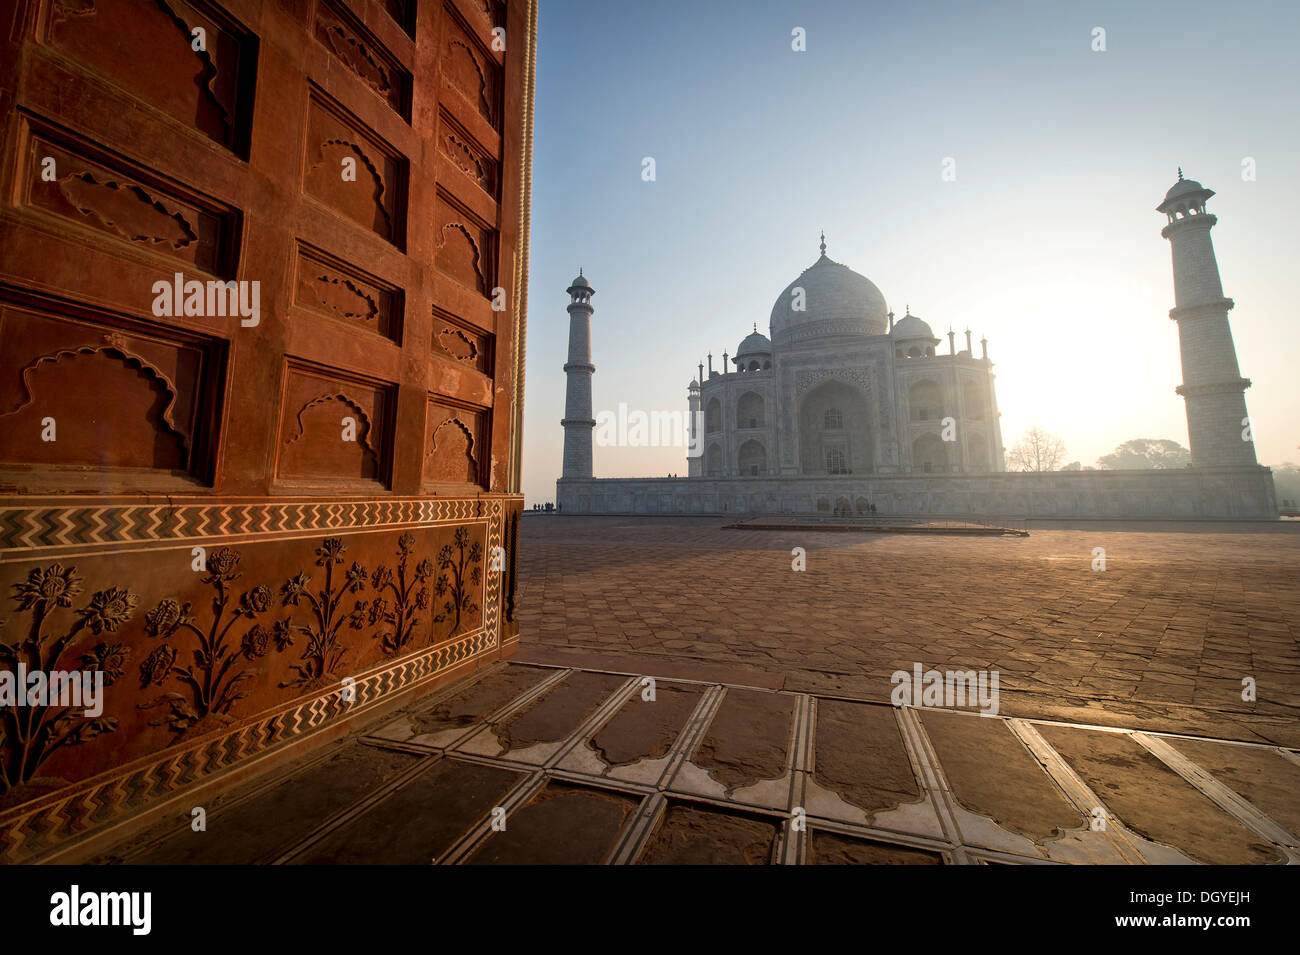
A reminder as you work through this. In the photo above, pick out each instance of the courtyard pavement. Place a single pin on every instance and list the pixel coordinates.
(683, 696)
(526, 764)
(1161, 639)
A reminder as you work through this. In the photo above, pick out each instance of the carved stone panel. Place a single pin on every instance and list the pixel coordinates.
(455, 444)
(131, 207)
(75, 392)
(147, 47)
(461, 343)
(469, 71)
(188, 658)
(464, 247)
(358, 50)
(334, 427)
(332, 287)
(467, 155)
(354, 172)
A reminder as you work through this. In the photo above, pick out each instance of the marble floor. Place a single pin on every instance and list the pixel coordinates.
(525, 764)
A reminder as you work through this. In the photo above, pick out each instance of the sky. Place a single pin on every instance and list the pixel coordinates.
(1047, 241)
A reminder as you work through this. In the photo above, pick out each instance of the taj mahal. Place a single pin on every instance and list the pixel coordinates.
(842, 410)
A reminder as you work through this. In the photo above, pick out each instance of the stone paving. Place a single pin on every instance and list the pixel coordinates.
(1160, 640)
(530, 764)
(1121, 734)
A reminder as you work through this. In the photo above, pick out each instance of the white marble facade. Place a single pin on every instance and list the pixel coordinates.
(846, 411)
(842, 389)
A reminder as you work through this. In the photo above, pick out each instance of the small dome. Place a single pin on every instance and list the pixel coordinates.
(755, 343)
(909, 326)
(693, 386)
(580, 290)
(1185, 197)
(1182, 187)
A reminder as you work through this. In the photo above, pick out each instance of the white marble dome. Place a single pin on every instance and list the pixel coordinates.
(755, 343)
(909, 326)
(1183, 187)
(838, 302)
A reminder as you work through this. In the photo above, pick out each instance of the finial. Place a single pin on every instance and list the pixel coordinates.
(756, 327)
(580, 271)
(907, 309)
(823, 242)
(1180, 173)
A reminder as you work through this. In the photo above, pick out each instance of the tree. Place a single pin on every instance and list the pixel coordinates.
(1146, 453)
(1037, 450)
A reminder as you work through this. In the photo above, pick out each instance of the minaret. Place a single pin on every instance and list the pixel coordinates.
(694, 454)
(1212, 384)
(578, 421)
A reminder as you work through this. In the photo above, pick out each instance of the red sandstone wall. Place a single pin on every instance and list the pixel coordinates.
(346, 464)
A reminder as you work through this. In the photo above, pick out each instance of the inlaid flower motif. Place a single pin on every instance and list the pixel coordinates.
(381, 578)
(257, 642)
(157, 665)
(255, 601)
(378, 609)
(110, 658)
(406, 543)
(109, 609)
(163, 619)
(330, 551)
(294, 588)
(357, 576)
(283, 633)
(53, 586)
(223, 564)
(357, 619)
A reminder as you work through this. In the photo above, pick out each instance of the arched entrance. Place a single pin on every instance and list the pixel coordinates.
(929, 454)
(752, 458)
(835, 431)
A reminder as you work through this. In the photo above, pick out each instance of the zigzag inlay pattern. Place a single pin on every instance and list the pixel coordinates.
(24, 530)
